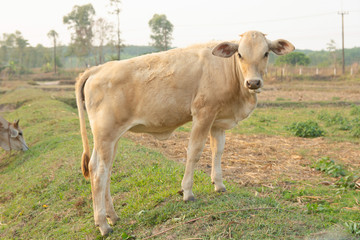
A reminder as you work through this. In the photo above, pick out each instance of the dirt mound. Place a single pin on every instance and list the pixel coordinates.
(259, 159)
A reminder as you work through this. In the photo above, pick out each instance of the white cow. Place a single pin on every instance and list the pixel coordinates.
(213, 85)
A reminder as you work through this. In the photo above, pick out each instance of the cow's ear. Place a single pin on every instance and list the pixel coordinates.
(225, 49)
(13, 132)
(281, 46)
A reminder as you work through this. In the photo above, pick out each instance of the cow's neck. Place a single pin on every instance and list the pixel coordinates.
(4, 139)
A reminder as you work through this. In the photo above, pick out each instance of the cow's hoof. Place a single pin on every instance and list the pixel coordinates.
(220, 187)
(105, 230)
(189, 199)
(112, 220)
(220, 190)
(187, 195)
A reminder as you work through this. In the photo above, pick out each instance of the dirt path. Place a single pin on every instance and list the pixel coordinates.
(310, 91)
(261, 160)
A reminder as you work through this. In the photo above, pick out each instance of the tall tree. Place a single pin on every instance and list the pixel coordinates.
(7, 43)
(115, 4)
(162, 31)
(53, 34)
(102, 31)
(81, 20)
(331, 47)
(21, 44)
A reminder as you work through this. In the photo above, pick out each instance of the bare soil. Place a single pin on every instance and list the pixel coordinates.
(261, 160)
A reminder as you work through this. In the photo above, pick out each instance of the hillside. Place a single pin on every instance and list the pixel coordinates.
(43, 194)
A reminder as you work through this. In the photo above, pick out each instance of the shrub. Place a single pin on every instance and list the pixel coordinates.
(346, 179)
(355, 110)
(333, 120)
(308, 129)
(47, 67)
(355, 131)
(355, 128)
(342, 122)
(329, 166)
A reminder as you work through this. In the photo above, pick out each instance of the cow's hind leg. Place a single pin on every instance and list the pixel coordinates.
(110, 211)
(100, 167)
(198, 136)
(217, 143)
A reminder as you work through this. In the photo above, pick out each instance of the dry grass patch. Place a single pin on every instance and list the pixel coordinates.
(259, 159)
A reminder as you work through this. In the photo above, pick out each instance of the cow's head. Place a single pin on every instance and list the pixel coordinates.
(252, 56)
(11, 136)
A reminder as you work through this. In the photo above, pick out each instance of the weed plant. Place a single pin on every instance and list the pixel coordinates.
(307, 129)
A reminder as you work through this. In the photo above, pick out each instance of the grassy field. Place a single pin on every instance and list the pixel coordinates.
(43, 194)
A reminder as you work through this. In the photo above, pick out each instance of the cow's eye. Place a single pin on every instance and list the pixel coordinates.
(266, 54)
(239, 55)
(20, 133)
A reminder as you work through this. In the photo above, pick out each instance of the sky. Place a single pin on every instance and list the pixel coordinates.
(308, 24)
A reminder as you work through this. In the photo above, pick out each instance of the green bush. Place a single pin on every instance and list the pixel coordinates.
(308, 129)
(336, 119)
(342, 123)
(355, 110)
(47, 67)
(355, 130)
(329, 166)
(346, 179)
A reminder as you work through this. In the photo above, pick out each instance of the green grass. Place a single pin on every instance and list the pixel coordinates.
(277, 120)
(43, 194)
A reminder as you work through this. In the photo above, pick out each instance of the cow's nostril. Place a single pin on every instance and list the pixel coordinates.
(253, 84)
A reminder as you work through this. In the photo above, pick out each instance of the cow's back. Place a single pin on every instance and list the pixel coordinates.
(154, 91)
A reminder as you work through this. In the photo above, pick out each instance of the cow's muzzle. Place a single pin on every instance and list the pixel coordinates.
(25, 147)
(253, 84)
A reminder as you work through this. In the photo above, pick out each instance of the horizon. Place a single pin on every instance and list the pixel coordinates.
(133, 45)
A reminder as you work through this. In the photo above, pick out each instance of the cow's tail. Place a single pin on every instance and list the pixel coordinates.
(80, 102)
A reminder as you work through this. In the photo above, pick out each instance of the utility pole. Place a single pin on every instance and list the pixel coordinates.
(342, 13)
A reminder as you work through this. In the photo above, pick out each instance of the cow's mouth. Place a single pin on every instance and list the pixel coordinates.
(255, 90)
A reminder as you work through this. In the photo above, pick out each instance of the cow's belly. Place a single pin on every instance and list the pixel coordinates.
(160, 127)
(163, 135)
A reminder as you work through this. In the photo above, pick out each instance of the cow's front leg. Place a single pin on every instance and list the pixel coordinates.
(217, 143)
(199, 132)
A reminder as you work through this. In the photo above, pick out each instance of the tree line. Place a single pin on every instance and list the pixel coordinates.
(331, 57)
(93, 41)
